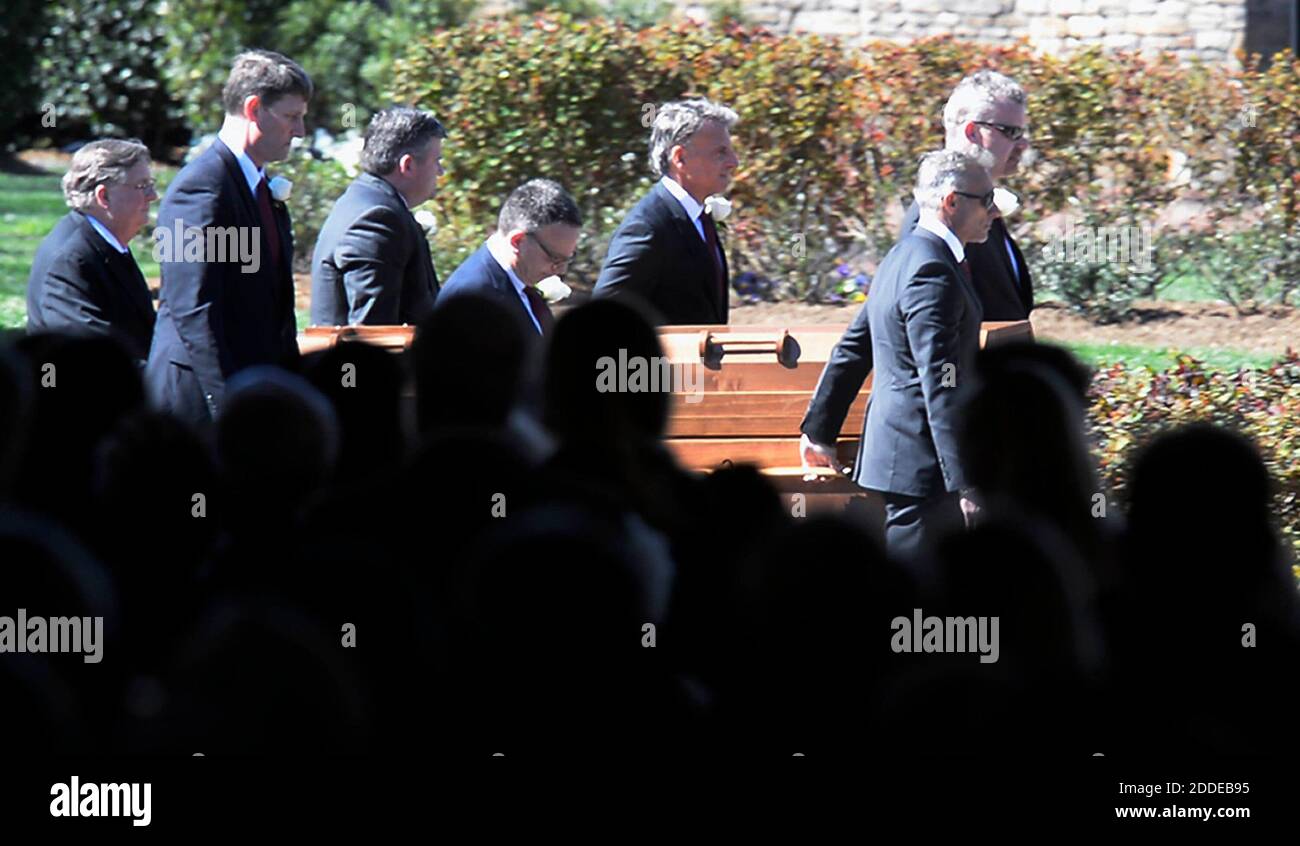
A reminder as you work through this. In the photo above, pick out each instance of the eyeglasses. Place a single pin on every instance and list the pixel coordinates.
(558, 262)
(145, 186)
(1013, 133)
(986, 199)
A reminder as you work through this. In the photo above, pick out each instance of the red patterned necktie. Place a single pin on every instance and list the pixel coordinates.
(711, 239)
(540, 309)
(268, 220)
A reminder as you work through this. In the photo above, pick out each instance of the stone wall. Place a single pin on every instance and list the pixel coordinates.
(1210, 29)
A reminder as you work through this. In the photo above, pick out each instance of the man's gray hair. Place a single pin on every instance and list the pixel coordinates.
(394, 133)
(538, 203)
(944, 171)
(677, 122)
(976, 96)
(105, 162)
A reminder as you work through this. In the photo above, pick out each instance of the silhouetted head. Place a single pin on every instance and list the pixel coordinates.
(277, 442)
(364, 385)
(470, 362)
(1200, 518)
(1022, 440)
(1060, 361)
(83, 384)
(16, 397)
(594, 352)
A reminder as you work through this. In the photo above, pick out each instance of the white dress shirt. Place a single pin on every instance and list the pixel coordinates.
(693, 209)
(105, 234)
(501, 250)
(929, 221)
(252, 172)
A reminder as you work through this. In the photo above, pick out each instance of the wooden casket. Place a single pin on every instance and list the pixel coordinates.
(756, 385)
(745, 397)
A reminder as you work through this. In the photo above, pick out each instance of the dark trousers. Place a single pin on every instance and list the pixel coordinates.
(913, 523)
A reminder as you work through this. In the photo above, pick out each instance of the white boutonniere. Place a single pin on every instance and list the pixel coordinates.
(1006, 202)
(554, 289)
(717, 206)
(280, 188)
(426, 218)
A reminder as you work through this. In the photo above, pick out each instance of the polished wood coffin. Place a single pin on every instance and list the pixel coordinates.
(746, 395)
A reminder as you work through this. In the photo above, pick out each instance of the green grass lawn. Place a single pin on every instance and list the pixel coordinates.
(1098, 355)
(30, 206)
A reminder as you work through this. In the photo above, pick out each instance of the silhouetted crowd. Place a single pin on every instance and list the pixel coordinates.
(469, 549)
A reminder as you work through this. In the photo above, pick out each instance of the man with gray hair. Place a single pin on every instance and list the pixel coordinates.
(536, 237)
(667, 251)
(920, 328)
(372, 264)
(986, 117)
(84, 278)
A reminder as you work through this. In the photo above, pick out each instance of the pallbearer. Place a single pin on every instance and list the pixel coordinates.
(667, 250)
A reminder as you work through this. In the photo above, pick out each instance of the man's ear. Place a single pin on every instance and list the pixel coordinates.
(677, 155)
(101, 195)
(972, 133)
(405, 163)
(252, 103)
(516, 237)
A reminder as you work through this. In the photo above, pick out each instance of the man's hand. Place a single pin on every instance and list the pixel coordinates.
(969, 509)
(813, 454)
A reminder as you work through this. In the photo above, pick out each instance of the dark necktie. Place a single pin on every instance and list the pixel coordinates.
(268, 220)
(540, 309)
(711, 239)
(965, 270)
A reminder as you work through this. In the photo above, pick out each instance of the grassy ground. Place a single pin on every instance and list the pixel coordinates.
(30, 206)
(1099, 355)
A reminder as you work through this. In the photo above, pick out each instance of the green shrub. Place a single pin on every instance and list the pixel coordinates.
(100, 67)
(21, 28)
(345, 45)
(1130, 406)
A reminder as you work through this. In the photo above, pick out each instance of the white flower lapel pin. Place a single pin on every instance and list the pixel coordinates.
(280, 188)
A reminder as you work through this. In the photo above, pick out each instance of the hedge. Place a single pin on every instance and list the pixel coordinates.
(1130, 406)
(830, 134)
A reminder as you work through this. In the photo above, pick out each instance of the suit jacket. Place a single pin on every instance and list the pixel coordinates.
(921, 315)
(214, 320)
(371, 264)
(657, 254)
(1004, 293)
(481, 275)
(80, 283)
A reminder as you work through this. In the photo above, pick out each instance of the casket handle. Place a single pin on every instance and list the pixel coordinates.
(713, 348)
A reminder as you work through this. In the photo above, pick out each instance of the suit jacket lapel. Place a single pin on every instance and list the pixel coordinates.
(695, 245)
(952, 260)
(133, 286)
(502, 282)
(413, 225)
(235, 172)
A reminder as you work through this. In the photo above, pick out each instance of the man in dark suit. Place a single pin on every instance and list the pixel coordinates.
(84, 278)
(220, 314)
(986, 116)
(920, 328)
(536, 237)
(666, 251)
(371, 264)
